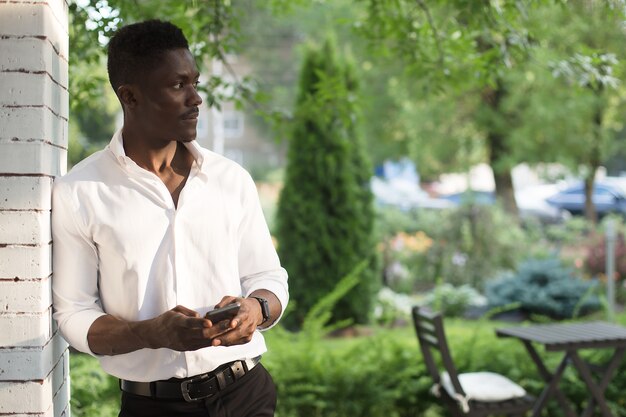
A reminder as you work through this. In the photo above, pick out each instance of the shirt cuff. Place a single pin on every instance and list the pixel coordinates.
(76, 328)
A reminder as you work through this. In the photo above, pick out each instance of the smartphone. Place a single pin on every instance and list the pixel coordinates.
(224, 313)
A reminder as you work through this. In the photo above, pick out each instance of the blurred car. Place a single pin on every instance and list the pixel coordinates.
(531, 202)
(404, 195)
(609, 196)
(471, 197)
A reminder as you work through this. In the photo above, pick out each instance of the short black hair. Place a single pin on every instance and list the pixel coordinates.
(137, 47)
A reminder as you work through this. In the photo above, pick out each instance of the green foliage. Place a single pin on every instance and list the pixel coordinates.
(570, 232)
(475, 243)
(450, 42)
(320, 314)
(325, 214)
(545, 287)
(211, 26)
(318, 376)
(441, 135)
(466, 245)
(272, 35)
(595, 261)
(393, 308)
(453, 301)
(372, 376)
(382, 374)
(94, 393)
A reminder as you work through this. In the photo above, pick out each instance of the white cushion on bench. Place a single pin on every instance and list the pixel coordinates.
(484, 386)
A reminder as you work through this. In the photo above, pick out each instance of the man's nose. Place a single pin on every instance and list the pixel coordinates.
(194, 99)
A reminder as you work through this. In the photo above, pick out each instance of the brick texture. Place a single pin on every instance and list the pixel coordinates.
(34, 111)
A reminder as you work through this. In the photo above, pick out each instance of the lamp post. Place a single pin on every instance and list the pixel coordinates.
(611, 237)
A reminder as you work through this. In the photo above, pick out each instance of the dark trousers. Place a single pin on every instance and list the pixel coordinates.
(254, 395)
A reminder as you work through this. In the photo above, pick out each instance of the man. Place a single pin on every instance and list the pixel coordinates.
(153, 232)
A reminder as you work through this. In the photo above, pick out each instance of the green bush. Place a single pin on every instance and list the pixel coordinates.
(320, 376)
(94, 393)
(546, 287)
(325, 215)
(392, 307)
(453, 301)
(570, 232)
(595, 261)
(381, 374)
(467, 245)
(365, 377)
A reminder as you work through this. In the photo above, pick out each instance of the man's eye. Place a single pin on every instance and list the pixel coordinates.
(179, 86)
(196, 84)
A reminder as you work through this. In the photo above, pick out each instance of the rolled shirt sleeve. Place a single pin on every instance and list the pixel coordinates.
(75, 264)
(259, 266)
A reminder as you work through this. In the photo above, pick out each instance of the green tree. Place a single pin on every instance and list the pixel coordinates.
(325, 215)
(465, 48)
(484, 48)
(569, 100)
(440, 131)
(271, 38)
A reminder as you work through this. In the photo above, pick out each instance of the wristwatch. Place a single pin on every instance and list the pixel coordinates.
(265, 308)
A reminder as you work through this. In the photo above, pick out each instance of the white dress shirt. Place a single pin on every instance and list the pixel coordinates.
(122, 247)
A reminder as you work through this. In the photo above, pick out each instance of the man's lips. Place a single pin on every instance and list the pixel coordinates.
(191, 115)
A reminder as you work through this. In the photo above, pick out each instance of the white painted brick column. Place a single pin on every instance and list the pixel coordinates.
(34, 360)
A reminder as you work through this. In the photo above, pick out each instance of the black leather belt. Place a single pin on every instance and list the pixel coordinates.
(194, 388)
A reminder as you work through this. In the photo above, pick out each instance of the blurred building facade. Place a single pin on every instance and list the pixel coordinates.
(233, 132)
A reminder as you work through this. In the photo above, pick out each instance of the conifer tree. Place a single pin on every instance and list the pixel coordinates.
(325, 214)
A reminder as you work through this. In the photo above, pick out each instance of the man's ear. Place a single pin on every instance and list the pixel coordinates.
(128, 94)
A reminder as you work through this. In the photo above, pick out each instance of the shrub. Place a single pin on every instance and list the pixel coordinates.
(325, 214)
(570, 232)
(94, 393)
(595, 261)
(372, 376)
(467, 245)
(453, 301)
(547, 287)
(392, 307)
(319, 376)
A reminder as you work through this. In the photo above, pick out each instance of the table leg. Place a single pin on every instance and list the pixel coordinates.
(552, 380)
(597, 390)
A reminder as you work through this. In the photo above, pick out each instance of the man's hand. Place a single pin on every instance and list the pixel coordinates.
(242, 326)
(179, 329)
(182, 329)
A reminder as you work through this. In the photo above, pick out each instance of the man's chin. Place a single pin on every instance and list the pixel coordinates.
(188, 136)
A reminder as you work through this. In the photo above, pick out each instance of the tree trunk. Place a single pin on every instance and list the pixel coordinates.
(590, 208)
(497, 150)
(594, 162)
(505, 192)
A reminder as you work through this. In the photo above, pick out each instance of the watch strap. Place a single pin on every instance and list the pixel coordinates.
(265, 308)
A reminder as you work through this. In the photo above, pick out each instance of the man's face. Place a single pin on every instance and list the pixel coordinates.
(167, 108)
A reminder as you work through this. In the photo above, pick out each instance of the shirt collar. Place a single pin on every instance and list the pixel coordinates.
(116, 146)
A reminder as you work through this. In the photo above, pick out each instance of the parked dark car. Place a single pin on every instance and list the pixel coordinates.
(530, 202)
(609, 196)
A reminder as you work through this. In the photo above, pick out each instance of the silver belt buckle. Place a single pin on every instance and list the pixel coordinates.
(184, 387)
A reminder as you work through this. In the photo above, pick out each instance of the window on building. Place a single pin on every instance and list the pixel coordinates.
(233, 124)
